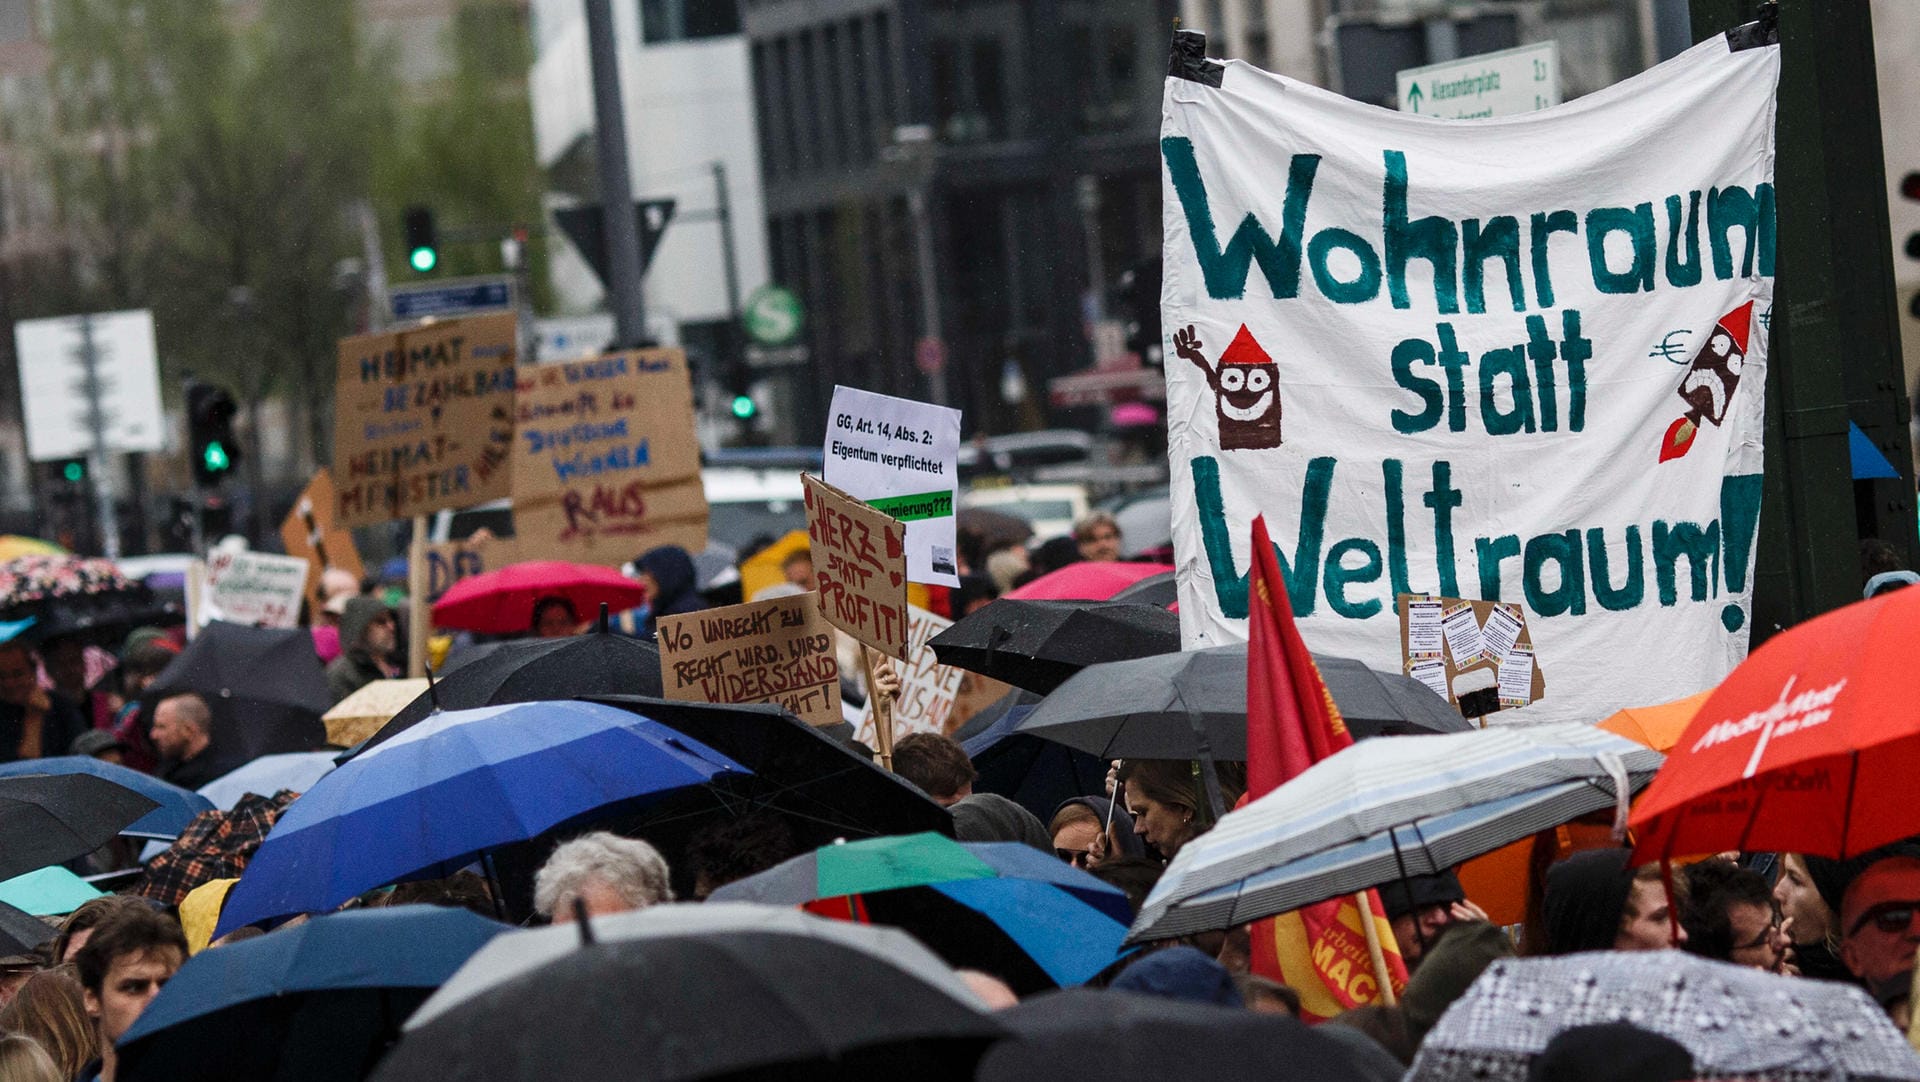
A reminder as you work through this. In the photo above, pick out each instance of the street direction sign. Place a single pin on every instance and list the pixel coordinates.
(54, 384)
(452, 297)
(1505, 83)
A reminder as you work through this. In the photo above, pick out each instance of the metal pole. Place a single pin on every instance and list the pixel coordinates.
(724, 211)
(929, 289)
(618, 220)
(95, 390)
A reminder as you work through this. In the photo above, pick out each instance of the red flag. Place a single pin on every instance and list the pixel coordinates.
(1320, 951)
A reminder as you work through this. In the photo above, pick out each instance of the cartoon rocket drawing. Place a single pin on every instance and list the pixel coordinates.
(1711, 379)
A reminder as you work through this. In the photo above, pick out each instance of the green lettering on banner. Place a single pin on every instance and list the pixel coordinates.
(1683, 272)
(917, 507)
(1634, 591)
(1570, 596)
(1498, 239)
(1700, 548)
(1339, 575)
(1739, 517)
(1225, 269)
(1432, 238)
(1543, 228)
(1750, 212)
(1302, 572)
(1637, 224)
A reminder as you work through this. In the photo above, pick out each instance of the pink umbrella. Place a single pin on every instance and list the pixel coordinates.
(501, 602)
(1086, 581)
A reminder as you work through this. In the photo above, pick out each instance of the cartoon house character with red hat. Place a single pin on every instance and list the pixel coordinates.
(1246, 389)
(1710, 381)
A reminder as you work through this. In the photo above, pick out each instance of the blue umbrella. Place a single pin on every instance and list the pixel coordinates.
(177, 806)
(329, 996)
(459, 784)
(267, 775)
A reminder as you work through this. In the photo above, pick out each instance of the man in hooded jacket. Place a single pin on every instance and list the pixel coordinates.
(368, 635)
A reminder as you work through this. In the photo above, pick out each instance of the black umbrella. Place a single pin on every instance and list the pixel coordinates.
(725, 1004)
(822, 788)
(532, 670)
(1037, 645)
(49, 818)
(1156, 707)
(1160, 590)
(1101, 1036)
(22, 932)
(1035, 773)
(265, 686)
(996, 528)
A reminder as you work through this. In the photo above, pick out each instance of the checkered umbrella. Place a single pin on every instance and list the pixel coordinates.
(1736, 1022)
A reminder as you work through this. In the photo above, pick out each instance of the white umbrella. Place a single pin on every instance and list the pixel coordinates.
(1384, 809)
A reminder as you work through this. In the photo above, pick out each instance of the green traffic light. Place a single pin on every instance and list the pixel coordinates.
(216, 457)
(423, 259)
(74, 472)
(743, 406)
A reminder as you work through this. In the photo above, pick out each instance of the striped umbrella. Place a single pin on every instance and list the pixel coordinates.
(1385, 809)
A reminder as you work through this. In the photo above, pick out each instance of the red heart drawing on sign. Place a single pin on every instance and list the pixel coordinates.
(896, 544)
(894, 577)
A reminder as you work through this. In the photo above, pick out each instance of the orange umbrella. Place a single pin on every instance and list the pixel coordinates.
(1658, 727)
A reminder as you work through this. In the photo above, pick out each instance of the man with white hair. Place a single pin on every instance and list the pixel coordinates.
(605, 872)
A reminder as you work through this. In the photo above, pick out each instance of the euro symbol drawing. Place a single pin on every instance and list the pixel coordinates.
(1670, 351)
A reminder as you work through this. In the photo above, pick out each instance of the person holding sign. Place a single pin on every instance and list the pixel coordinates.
(672, 585)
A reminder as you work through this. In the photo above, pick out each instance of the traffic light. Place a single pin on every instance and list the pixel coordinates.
(739, 389)
(73, 471)
(211, 449)
(423, 247)
(1137, 297)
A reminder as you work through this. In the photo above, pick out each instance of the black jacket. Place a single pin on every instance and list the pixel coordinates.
(62, 723)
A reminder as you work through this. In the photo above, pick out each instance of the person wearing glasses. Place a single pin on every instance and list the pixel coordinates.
(1730, 916)
(1880, 916)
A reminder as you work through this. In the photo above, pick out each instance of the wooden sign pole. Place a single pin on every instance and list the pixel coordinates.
(419, 615)
(882, 706)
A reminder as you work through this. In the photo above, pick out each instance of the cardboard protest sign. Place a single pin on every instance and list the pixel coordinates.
(902, 458)
(257, 589)
(605, 463)
(1517, 361)
(450, 561)
(775, 651)
(309, 532)
(1458, 647)
(927, 688)
(860, 562)
(423, 419)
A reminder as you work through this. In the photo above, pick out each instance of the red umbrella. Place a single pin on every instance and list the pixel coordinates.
(501, 602)
(1809, 746)
(1088, 580)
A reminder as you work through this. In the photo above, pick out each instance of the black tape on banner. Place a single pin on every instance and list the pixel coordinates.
(1188, 59)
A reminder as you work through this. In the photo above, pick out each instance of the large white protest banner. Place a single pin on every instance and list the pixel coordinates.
(901, 456)
(1516, 360)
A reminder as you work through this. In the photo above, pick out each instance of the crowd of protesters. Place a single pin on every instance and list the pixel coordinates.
(64, 1006)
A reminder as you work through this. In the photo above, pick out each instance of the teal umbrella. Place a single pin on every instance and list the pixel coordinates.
(50, 892)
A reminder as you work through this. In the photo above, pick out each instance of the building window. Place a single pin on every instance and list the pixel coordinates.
(664, 21)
